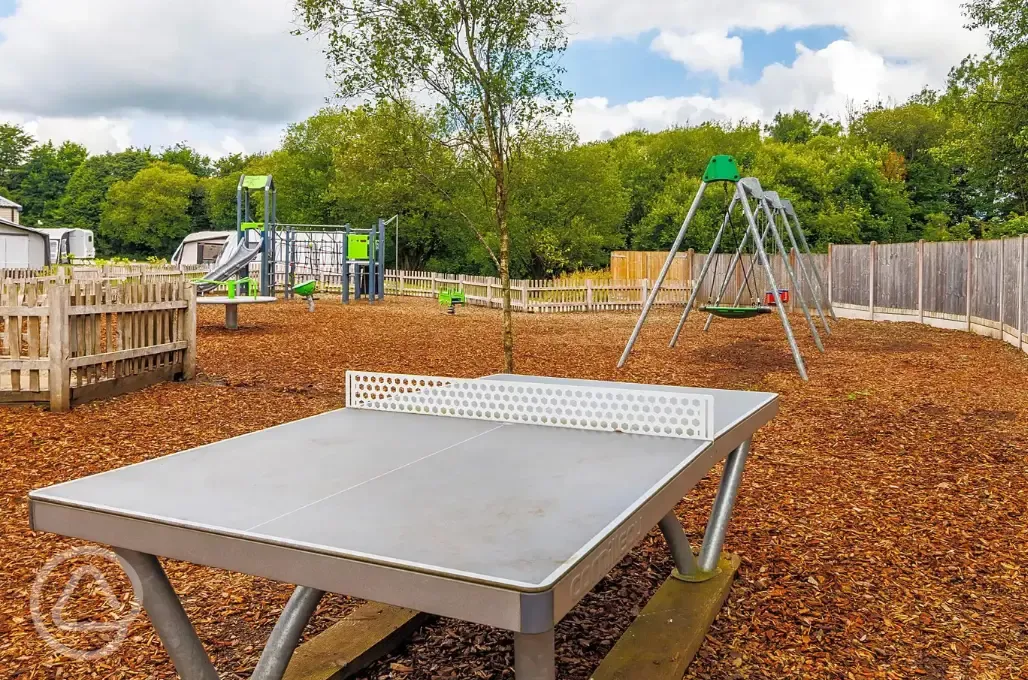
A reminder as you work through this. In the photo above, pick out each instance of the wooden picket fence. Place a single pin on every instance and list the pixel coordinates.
(108, 272)
(65, 344)
(536, 296)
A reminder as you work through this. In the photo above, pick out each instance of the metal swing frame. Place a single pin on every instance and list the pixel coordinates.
(786, 211)
(746, 190)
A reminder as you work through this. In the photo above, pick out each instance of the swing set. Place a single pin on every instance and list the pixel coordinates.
(753, 244)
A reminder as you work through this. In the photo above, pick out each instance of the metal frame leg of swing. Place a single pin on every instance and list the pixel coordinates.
(762, 255)
(663, 274)
(803, 269)
(792, 276)
(822, 290)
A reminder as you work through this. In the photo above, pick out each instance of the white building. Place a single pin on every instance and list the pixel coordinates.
(9, 210)
(22, 247)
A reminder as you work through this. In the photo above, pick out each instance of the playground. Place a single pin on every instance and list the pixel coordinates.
(880, 522)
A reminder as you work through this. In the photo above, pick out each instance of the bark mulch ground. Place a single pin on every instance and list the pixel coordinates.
(881, 521)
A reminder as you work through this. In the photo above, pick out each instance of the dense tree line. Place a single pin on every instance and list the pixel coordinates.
(950, 164)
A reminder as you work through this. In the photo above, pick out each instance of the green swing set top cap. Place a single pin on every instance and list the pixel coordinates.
(255, 181)
(722, 169)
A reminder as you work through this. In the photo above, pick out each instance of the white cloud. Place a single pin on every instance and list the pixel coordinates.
(227, 76)
(707, 51)
(82, 69)
(831, 80)
(827, 81)
(891, 50)
(595, 118)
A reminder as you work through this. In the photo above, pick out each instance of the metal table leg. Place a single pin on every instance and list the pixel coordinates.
(717, 524)
(180, 639)
(232, 317)
(687, 566)
(534, 656)
(168, 616)
(285, 636)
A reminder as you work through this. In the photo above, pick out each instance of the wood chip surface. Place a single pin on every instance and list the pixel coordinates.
(881, 522)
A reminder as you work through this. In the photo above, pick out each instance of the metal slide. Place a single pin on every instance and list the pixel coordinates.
(229, 264)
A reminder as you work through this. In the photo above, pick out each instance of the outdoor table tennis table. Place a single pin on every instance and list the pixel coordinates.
(501, 501)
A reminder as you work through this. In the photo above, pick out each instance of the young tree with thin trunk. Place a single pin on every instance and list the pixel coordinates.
(488, 68)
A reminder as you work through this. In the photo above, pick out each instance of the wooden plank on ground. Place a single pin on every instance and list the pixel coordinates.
(114, 388)
(367, 634)
(663, 640)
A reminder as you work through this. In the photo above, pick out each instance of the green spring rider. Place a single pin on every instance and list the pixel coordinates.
(306, 290)
(452, 298)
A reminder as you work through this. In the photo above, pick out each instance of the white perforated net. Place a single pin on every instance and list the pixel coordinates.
(607, 409)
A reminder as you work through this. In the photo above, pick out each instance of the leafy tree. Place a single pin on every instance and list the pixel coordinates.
(229, 166)
(14, 147)
(41, 181)
(567, 208)
(189, 158)
(149, 214)
(800, 127)
(491, 67)
(83, 199)
(383, 166)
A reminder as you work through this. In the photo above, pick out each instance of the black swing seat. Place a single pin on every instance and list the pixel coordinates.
(734, 312)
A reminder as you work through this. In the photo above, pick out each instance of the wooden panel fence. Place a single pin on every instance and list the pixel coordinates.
(65, 344)
(977, 286)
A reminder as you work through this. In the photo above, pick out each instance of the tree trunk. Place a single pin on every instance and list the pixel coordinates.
(501, 224)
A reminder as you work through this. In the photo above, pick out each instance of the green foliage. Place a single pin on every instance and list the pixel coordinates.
(193, 161)
(1013, 225)
(39, 184)
(84, 196)
(149, 214)
(14, 147)
(463, 175)
(799, 127)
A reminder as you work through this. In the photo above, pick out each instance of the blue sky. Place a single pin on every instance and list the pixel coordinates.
(627, 69)
(113, 73)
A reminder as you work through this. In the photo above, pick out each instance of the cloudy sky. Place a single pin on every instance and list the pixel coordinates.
(227, 76)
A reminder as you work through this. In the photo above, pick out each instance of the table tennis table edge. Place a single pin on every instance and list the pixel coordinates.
(558, 593)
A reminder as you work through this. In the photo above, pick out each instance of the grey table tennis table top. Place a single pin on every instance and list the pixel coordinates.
(380, 505)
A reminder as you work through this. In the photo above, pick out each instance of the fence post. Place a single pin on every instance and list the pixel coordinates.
(920, 281)
(1002, 282)
(645, 294)
(689, 270)
(828, 270)
(189, 359)
(1020, 291)
(970, 264)
(59, 349)
(588, 295)
(873, 257)
(524, 295)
